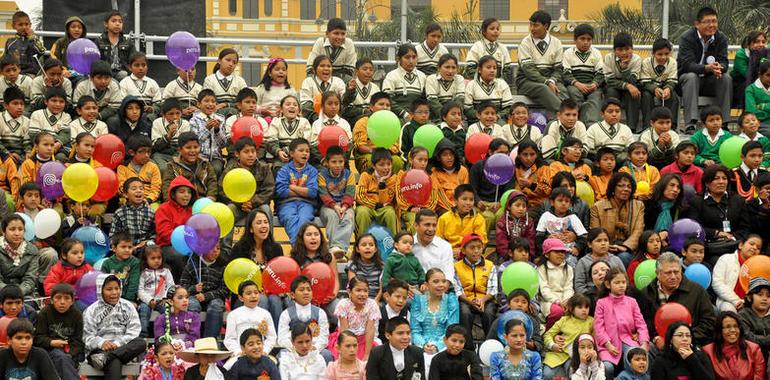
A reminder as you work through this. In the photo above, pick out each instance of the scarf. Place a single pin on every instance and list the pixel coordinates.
(732, 356)
(14, 254)
(664, 220)
(213, 373)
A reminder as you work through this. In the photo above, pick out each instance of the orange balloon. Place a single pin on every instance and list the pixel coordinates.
(317, 104)
(756, 266)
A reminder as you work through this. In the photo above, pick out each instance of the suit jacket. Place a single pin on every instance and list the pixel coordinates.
(381, 365)
(604, 214)
(690, 50)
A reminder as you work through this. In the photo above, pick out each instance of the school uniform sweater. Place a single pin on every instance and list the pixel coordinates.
(312, 87)
(659, 157)
(150, 175)
(584, 67)
(145, 89)
(272, 98)
(23, 82)
(646, 172)
(325, 121)
(343, 57)
(361, 138)
(10, 181)
(159, 135)
(183, 91)
(225, 88)
(515, 135)
(708, 149)
(485, 47)
(44, 120)
(618, 77)
(370, 194)
(108, 99)
(38, 90)
(13, 132)
(404, 88)
(282, 131)
(556, 133)
(427, 58)
(540, 64)
(439, 91)
(652, 75)
(498, 92)
(355, 104)
(617, 137)
(96, 128)
(494, 130)
(758, 100)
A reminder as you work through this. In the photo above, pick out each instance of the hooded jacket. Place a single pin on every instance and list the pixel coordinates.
(66, 273)
(103, 322)
(67, 326)
(201, 175)
(171, 214)
(508, 227)
(446, 181)
(59, 48)
(124, 130)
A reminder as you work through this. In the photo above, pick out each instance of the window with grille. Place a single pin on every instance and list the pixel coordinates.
(554, 7)
(347, 9)
(499, 9)
(328, 9)
(307, 10)
(250, 8)
(232, 7)
(268, 7)
(414, 5)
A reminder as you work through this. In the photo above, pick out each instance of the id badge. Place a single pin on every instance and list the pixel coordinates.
(726, 226)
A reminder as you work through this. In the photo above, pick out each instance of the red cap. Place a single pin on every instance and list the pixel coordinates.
(468, 238)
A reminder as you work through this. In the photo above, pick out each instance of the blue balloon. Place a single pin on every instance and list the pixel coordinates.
(507, 316)
(29, 226)
(177, 241)
(699, 274)
(95, 242)
(200, 204)
(383, 238)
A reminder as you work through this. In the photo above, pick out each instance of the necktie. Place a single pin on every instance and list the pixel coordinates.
(659, 69)
(542, 45)
(751, 176)
(519, 134)
(324, 86)
(410, 77)
(612, 130)
(52, 119)
(226, 83)
(492, 46)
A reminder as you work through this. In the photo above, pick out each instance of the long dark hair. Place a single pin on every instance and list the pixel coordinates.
(660, 187)
(266, 80)
(376, 259)
(641, 248)
(527, 143)
(669, 349)
(225, 52)
(719, 339)
(615, 180)
(244, 247)
(299, 252)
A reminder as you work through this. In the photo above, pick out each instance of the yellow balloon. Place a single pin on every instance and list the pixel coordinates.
(239, 185)
(79, 182)
(223, 215)
(585, 192)
(240, 270)
(642, 187)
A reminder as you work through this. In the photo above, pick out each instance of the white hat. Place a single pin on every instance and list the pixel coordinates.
(203, 346)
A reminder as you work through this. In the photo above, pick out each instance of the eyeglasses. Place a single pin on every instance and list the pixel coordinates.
(682, 335)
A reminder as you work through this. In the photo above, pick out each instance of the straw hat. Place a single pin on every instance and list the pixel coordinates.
(203, 346)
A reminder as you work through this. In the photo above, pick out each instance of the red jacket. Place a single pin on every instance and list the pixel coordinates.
(690, 177)
(66, 273)
(751, 368)
(504, 229)
(171, 214)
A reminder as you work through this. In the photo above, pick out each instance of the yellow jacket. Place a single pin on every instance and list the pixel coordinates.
(9, 178)
(451, 227)
(28, 170)
(446, 185)
(369, 194)
(474, 279)
(150, 176)
(647, 173)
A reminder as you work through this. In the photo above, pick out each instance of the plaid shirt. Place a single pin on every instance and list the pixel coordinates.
(212, 140)
(139, 221)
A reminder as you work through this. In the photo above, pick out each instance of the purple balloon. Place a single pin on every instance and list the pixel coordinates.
(201, 233)
(183, 50)
(688, 194)
(538, 120)
(683, 229)
(81, 53)
(49, 179)
(85, 288)
(498, 169)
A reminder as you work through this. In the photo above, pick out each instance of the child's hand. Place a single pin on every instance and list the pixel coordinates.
(213, 123)
(646, 346)
(739, 305)
(552, 86)
(58, 343)
(559, 340)
(148, 109)
(635, 93)
(109, 346)
(200, 297)
(588, 356)
(664, 139)
(430, 348)
(659, 93)
(579, 175)
(584, 88)
(246, 206)
(283, 156)
(340, 210)
(172, 128)
(56, 146)
(456, 254)
(352, 85)
(708, 162)
(666, 93)
(523, 182)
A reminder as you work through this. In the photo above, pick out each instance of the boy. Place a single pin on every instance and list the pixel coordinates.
(658, 78)
(14, 126)
(583, 74)
(338, 47)
(59, 330)
(246, 158)
(363, 146)
(754, 316)
(102, 88)
(454, 225)
(210, 128)
(376, 194)
(660, 139)
(166, 131)
(140, 166)
(254, 364)
(710, 137)
(53, 78)
(132, 120)
(296, 188)
(247, 316)
(359, 92)
(637, 369)
(684, 154)
(114, 47)
(565, 125)
(135, 217)
(478, 277)
(51, 119)
(540, 64)
(398, 359)
(569, 160)
(337, 191)
(139, 85)
(420, 114)
(246, 102)
(456, 363)
(12, 302)
(171, 214)
(610, 132)
(25, 45)
(188, 164)
(606, 162)
(402, 265)
(10, 68)
(123, 264)
(21, 360)
(518, 299)
(88, 110)
(395, 293)
(206, 285)
(622, 69)
(742, 180)
(693, 252)
(111, 329)
(303, 311)
(486, 113)
(29, 199)
(184, 89)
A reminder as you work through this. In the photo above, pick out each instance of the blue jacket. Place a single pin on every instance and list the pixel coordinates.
(630, 375)
(289, 174)
(500, 368)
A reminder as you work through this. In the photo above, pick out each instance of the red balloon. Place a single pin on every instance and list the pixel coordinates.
(109, 151)
(247, 126)
(278, 275)
(476, 147)
(108, 185)
(321, 281)
(669, 313)
(416, 187)
(332, 135)
(4, 322)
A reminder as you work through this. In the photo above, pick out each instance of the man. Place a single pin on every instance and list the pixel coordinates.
(431, 250)
(702, 63)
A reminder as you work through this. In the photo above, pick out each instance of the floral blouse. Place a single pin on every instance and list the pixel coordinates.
(357, 319)
(529, 368)
(429, 326)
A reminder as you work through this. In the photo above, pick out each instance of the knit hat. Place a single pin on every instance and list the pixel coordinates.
(551, 244)
(468, 238)
(757, 283)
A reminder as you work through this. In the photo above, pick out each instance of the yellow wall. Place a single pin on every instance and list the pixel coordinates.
(586, 10)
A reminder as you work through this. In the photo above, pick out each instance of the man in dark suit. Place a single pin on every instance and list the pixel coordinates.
(702, 64)
(398, 359)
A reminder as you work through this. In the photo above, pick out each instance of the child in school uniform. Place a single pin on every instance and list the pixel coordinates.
(447, 172)
(166, 131)
(103, 89)
(329, 115)
(488, 46)
(660, 138)
(315, 85)
(184, 89)
(485, 87)
(540, 64)
(430, 51)
(566, 125)
(529, 167)
(139, 85)
(376, 194)
(52, 118)
(444, 86)
(53, 78)
(338, 47)
(359, 92)
(658, 79)
(209, 126)
(743, 177)
(709, 138)
(248, 105)
(225, 82)
(486, 116)
(749, 124)
(610, 132)
(518, 129)
(10, 68)
(273, 87)
(452, 125)
(363, 147)
(88, 122)
(396, 291)
(583, 73)
(419, 114)
(622, 69)
(405, 83)
(14, 126)
(462, 220)
(283, 130)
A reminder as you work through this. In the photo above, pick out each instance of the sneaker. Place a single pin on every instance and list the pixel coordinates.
(98, 360)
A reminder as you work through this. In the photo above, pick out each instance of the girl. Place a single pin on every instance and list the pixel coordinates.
(732, 356)
(285, 128)
(529, 167)
(589, 366)
(566, 180)
(725, 275)
(75, 28)
(447, 172)
(182, 326)
(404, 84)
(516, 361)
(301, 362)
(444, 86)
(348, 366)
(619, 323)
(645, 175)
(513, 224)
(359, 92)
(225, 83)
(754, 44)
(599, 243)
(273, 88)
(562, 224)
(488, 46)
(360, 314)
(431, 49)
(556, 281)
(606, 162)
(155, 281)
(487, 86)
(684, 153)
(83, 150)
(757, 98)
(681, 359)
(598, 271)
(76, 215)
(570, 160)
(452, 125)
(161, 363)
(518, 299)
(649, 247)
(417, 159)
(749, 124)
(70, 268)
(313, 86)
(518, 129)
(432, 312)
(329, 115)
(563, 334)
(43, 150)
(185, 90)
(366, 264)
(310, 247)
(139, 85)
(19, 260)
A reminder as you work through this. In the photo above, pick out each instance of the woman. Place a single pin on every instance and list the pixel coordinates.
(665, 206)
(599, 270)
(19, 259)
(732, 356)
(680, 359)
(621, 215)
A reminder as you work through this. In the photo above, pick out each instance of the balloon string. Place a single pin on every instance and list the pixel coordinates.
(200, 269)
(497, 188)
(197, 272)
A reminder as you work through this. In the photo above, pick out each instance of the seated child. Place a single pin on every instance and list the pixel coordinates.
(225, 82)
(88, 122)
(622, 69)
(744, 176)
(302, 311)
(172, 213)
(337, 190)
(184, 90)
(70, 268)
(11, 70)
(254, 363)
(328, 115)
(301, 361)
(407, 209)
(540, 61)
(398, 333)
(502, 362)
(556, 281)
(363, 147)
(132, 120)
(589, 365)
(488, 88)
(30, 200)
(658, 79)
(643, 172)
(529, 168)
(606, 160)
(754, 315)
(22, 360)
(395, 294)
(555, 223)
(488, 194)
(358, 314)
(693, 252)
(756, 94)
(76, 215)
(123, 264)
(338, 46)
(452, 125)
(456, 362)
(139, 165)
(114, 46)
(248, 316)
(486, 122)
(14, 126)
(209, 126)
(566, 125)
(650, 245)
(166, 131)
(19, 260)
(207, 363)
(42, 153)
(405, 83)
(730, 298)
(709, 138)
(443, 86)
(564, 333)
(139, 85)
(283, 130)
(184, 326)
(296, 188)
(59, 331)
(367, 264)
(273, 87)
(348, 365)
(154, 284)
(447, 171)
(314, 85)
(247, 158)
(610, 132)
(518, 129)
(51, 118)
(206, 283)
(104, 91)
(478, 277)
(189, 164)
(749, 125)
(246, 102)
(513, 224)
(419, 114)
(431, 50)
(638, 359)
(456, 224)
(376, 194)
(162, 361)
(403, 266)
(13, 306)
(136, 216)
(684, 155)
(660, 139)
(583, 73)
(598, 240)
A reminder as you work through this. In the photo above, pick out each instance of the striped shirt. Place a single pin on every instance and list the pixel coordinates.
(485, 47)
(39, 89)
(145, 89)
(24, 83)
(498, 92)
(583, 67)
(427, 58)
(440, 91)
(282, 130)
(652, 75)
(96, 128)
(617, 137)
(225, 88)
(184, 92)
(110, 97)
(13, 132)
(617, 76)
(343, 57)
(540, 65)
(556, 133)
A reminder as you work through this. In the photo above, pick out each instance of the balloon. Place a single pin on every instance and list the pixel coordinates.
(477, 147)
(240, 270)
(644, 273)
(98, 265)
(247, 126)
(108, 184)
(507, 316)
(514, 154)
(81, 53)
(332, 135)
(29, 226)
(383, 238)
(85, 287)
(200, 204)
(224, 217)
(428, 136)
(47, 223)
(681, 230)
(730, 152)
(383, 128)
(80, 182)
(498, 169)
(109, 151)
(669, 313)
(642, 187)
(201, 233)
(239, 185)
(416, 187)
(585, 192)
(95, 242)
(538, 120)
(755, 266)
(698, 273)
(183, 50)
(520, 275)
(504, 198)
(4, 322)
(688, 195)
(487, 348)
(49, 179)
(321, 281)
(179, 243)
(278, 275)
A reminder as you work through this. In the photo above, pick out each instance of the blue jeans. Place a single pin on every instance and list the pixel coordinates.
(293, 215)
(145, 313)
(562, 370)
(625, 257)
(274, 304)
(215, 310)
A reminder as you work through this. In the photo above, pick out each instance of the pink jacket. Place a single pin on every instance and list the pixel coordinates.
(616, 320)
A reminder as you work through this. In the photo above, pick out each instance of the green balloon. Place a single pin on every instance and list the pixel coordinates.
(428, 137)
(383, 128)
(9, 200)
(520, 275)
(644, 274)
(730, 152)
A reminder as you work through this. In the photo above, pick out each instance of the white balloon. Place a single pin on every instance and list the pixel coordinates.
(47, 223)
(487, 348)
